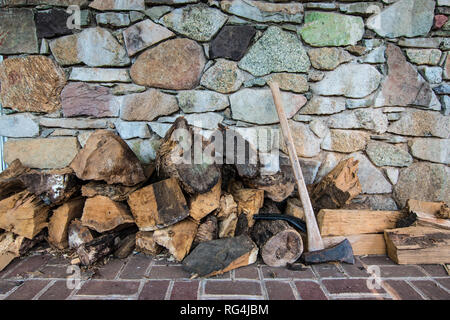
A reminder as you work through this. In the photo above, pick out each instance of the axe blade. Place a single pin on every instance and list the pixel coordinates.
(342, 252)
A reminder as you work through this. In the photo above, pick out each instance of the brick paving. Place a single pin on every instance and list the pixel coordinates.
(140, 277)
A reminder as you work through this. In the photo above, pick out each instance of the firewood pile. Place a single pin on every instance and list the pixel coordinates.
(106, 203)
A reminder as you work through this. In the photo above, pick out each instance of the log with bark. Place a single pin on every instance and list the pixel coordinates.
(126, 246)
(145, 243)
(249, 202)
(207, 230)
(338, 187)
(178, 158)
(423, 213)
(294, 208)
(13, 246)
(115, 192)
(279, 243)
(158, 205)
(79, 234)
(219, 256)
(418, 245)
(58, 227)
(227, 215)
(10, 182)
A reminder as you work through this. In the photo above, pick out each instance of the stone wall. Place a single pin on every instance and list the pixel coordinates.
(360, 79)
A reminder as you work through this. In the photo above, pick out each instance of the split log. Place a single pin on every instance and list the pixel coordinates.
(427, 214)
(338, 187)
(219, 256)
(100, 247)
(158, 205)
(207, 231)
(201, 205)
(125, 247)
(177, 238)
(79, 234)
(227, 215)
(10, 182)
(444, 212)
(294, 208)
(145, 243)
(13, 246)
(249, 202)
(280, 244)
(115, 192)
(418, 245)
(350, 222)
(193, 176)
(362, 244)
(102, 214)
(24, 214)
(58, 227)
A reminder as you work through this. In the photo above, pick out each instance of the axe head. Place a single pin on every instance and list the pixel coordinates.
(342, 252)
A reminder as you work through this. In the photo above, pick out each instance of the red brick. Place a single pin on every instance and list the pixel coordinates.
(58, 291)
(185, 290)
(99, 287)
(29, 264)
(217, 287)
(154, 290)
(401, 290)
(328, 271)
(435, 270)
(356, 270)
(309, 290)
(28, 290)
(169, 272)
(136, 267)
(444, 282)
(248, 272)
(284, 273)
(58, 272)
(401, 271)
(278, 290)
(378, 260)
(5, 272)
(110, 270)
(58, 261)
(7, 285)
(349, 286)
(431, 290)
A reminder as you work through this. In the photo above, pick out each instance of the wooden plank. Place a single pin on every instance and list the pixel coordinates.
(418, 245)
(362, 244)
(200, 205)
(350, 222)
(428, 213)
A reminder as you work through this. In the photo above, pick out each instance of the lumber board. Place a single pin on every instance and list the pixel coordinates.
(362, 244)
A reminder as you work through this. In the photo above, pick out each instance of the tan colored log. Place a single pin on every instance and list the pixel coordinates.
(362, 244)
(145, 243)
(350, 222)
(13, 246)
(227, 215)
(58, 227)
(158, 205)
(24, 214)
(78, 234)
(102, 214)
(444, 213)
(418, 245)
(207, 230)
(294, 208)
(428, 213)
(200, 205)
(249, 202)
(10, 181)
(177, 238)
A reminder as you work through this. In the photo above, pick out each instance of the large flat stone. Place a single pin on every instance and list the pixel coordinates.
(345, 141)
(431, 149)
(306, 143)
(386, 154)
(52, 153)
(20, 125)
(31, 83)
(174, 64)
(99, 75)
(130, 130)
(328, 58)
(323, 105)
(195, 101)
(276, 51)
(231, 42)
(369, 119)
(76, 123)
(65, 50)
(421, 123)
(120, 5)
(256, 106)
(17, 32)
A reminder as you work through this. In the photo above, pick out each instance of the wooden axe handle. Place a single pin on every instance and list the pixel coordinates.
(314, 239)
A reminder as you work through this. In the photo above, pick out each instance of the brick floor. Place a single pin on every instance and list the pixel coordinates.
(44, 277)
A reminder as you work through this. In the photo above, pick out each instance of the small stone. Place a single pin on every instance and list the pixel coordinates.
(409, 18)
(18, 31)
(420, 123)
(420, 42)
(385, 154)
(431, 149)
(394, 116)
(323, 105)
(99, 75)
(432, 74)
(263, 11)
(147, 106)
(328, 58)
(21, 125)
(389, 138)
(442, 89)
(363, 8)
(319, 127)
(369, 119)
(73, 123)
(392, 174)
(52, 153)
(231, 42)
(129, 130)
(198, 22)
(174, 64)
(122, 5)
(306, 143)
(113, 19)
(136, 16)
(374, 56)
(195, 101)
(65, 50)
(323, 29)
(439, 21)
(208, 120)
(351, 80)
(276, 51)
(424, 56)
(303, 118)
(346, 141)
(256, 106)
(127, 88)
(145, 149)
(45, 49)
(357, 50)
(81, 99)
(445, 105)
(107, 157)
(359, 103)
(160, 128)
(423, 181)
(83, 136)
(315, 75)
(224, 77)
(31, 83)
(51, 23)
(143, 35)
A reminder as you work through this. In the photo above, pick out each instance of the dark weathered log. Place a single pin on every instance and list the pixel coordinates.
(126, 246)
(79, 234)
(195, 175)
(10, 182)
(207, 230)
(280, 244)
(145, 243)
(200, 205)
(219, 256)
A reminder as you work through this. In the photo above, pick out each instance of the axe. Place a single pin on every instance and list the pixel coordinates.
(317, 253)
